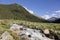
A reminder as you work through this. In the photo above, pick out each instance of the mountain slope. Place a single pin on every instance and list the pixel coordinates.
(15, 11)
(57, 21)
(54, 20)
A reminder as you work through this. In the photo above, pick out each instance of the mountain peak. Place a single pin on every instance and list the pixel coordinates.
(14, 4)
(54, 19)
(15, 11)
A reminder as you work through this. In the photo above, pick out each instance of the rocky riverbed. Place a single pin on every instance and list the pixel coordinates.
(27, 33)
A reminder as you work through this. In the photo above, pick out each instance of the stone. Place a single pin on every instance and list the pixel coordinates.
(6, 36)
(30, 34)
(46, 31)
(15, 26)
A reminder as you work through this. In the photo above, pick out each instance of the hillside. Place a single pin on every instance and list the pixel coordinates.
(54, 20)
(17, 12)
(57, 21)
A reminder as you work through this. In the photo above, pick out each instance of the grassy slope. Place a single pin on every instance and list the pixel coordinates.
(14, 11)
(5, 25)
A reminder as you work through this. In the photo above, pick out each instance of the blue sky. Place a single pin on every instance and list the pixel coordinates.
(43, 8)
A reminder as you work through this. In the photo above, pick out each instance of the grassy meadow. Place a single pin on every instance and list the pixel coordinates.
(5, 24)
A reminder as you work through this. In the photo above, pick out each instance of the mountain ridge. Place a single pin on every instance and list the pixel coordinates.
(54, 20)
(15, 11)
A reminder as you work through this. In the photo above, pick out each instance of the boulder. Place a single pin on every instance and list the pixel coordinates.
(15, 27)
(6, 36)
(46, 31)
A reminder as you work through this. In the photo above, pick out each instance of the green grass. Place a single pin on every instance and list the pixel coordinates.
(15, 11)
(5, 25)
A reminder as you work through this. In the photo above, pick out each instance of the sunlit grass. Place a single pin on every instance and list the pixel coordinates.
(5, 25)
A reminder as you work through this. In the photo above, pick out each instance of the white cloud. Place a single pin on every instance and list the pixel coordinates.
(47, 12)
(46, 16)
(52, 14)
(49, 16)
(58, 11)
(29, 10)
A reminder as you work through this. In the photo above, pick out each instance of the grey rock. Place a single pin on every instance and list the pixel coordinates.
(6, 36)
